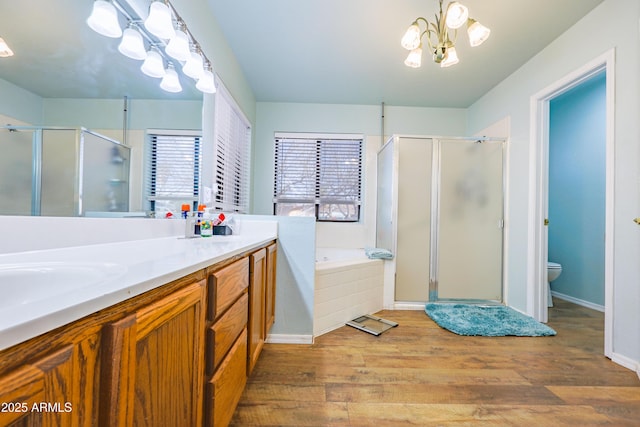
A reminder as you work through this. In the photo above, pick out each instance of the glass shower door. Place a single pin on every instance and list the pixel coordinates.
(469, 221)
(16, 171)
(59, 166)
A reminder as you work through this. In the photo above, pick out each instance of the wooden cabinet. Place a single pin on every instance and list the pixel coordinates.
(262, 294)
(257, 291)
(225, 387)
(226, 353)
(270, 289)
(151, 360)
(52, 380)
(177, 355)
(39, 393)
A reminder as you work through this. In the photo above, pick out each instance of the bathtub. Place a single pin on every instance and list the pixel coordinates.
(347, 285)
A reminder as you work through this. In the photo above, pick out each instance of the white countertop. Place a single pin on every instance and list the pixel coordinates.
(138, 266)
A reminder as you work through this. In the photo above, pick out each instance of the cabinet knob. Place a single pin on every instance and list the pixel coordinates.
(636, 220)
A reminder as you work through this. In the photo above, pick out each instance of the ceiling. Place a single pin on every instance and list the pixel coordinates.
(348, 51)
(315, 51)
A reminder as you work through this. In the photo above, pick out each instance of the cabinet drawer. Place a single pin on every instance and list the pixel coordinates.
(226, 285)
(222, 335)
(226, 386)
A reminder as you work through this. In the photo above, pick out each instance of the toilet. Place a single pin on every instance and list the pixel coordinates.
(553, 271)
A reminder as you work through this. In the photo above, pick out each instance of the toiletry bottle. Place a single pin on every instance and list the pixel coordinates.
(206, 227)
(185, 210)
(219, 220)
(201, 209)
(190, 227)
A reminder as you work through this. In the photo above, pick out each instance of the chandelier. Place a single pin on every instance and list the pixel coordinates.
(438, 37)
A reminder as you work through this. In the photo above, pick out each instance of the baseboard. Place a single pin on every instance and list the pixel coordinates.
(577, 301)
(399, 305)
(289, 339)
(626, 362)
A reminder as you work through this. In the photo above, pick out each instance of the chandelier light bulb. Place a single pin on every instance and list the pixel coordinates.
(477, 32)
(104, 19)
(457, 15)
(414, 59)
(178, 46)
(451, 58)
(160, 21)
(131, 44)
(153, 65)
(170, 82)
(194, 67)
(411, 38)
(207, 83)
(5, 50)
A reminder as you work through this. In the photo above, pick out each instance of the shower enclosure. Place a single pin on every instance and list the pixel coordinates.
(441, 211)
(57, 171)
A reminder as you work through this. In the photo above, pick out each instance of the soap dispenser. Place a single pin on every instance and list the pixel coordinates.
(190, 227)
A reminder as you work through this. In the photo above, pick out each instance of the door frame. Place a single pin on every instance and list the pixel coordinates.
(539, 184)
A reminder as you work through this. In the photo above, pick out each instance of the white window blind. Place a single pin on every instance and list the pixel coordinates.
(172, 170)
(231, 155)
(318, 177)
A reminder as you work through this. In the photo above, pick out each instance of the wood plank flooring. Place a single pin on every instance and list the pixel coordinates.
(421, 375)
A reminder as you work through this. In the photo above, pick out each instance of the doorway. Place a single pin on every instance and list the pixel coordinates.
(576, 194)
(539, 190)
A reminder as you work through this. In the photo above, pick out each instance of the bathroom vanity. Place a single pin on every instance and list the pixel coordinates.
(168, 340)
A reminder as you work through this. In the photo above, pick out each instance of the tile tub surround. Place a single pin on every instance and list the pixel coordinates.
(147, 264)
(347, 285)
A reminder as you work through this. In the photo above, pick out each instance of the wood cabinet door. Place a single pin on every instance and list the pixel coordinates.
(270, 297)
(40, 393)
(153, 363)
(257, 281)
(225, 387)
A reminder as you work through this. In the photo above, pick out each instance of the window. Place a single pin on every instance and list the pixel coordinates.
(318, 175)
(231, 155)
(172, 170)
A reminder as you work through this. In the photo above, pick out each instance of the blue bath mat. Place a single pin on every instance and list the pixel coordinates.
(488, 321)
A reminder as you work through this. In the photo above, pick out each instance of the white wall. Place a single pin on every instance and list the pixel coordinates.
(613, 24)
(204, 27)
(20, 104)
(295, 279)
(334, 118)
(109, 113)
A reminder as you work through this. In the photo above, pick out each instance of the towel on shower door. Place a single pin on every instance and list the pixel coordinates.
(378, 253)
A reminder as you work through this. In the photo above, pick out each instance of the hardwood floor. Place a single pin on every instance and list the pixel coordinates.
(421, 375)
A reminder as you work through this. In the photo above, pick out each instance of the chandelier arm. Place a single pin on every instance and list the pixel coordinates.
(429, 34)
(420, 18)
(427, 30)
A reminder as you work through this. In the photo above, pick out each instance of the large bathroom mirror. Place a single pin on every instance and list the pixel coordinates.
(63, 74)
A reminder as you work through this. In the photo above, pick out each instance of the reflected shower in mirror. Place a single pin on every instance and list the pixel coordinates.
(64, 74)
